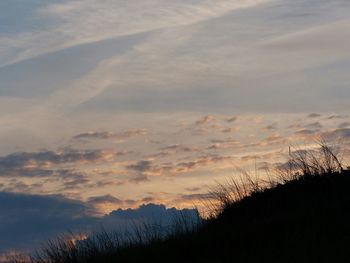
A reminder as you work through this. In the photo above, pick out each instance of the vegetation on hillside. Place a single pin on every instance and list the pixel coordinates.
(302, 215)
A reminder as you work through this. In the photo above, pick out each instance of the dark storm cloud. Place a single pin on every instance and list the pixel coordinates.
(26, 221)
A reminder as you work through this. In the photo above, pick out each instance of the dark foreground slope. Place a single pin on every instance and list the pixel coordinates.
(304, 220)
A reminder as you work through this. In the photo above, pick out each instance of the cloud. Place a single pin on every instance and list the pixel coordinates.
(231, 119)
(230, 129)
(273, 139)
(142, 169)
(270, 127)
(172, 150)
(197, 197)
(19, 187)
(47, 158)
(109, 135)
(225, 143)
(140, 166)
(314, 126)
(314, 115)
(146, 170)
(337, 116)
(286, 167)
(202, 161)
(100, 204)
(305, 132)
(178, 148)
(73, 180)
(275, 86)
(192, 189)
(152, 212)
(337, 134)
(202, 73)
(205, 120)
(38, 164)
(103, 199)
(344, 125)
(27, 221)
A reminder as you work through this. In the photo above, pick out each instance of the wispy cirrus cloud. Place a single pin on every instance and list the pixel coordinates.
(67, 23)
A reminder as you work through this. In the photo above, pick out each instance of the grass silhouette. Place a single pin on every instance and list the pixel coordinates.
(303, 215)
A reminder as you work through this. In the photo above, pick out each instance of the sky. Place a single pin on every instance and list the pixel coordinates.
(112, 104)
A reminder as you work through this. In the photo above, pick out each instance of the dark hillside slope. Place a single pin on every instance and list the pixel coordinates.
(304, 220)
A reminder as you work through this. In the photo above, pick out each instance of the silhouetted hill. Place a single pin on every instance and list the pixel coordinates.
(305, 220)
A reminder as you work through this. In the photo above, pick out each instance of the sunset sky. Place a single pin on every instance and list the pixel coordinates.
(109, 104)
